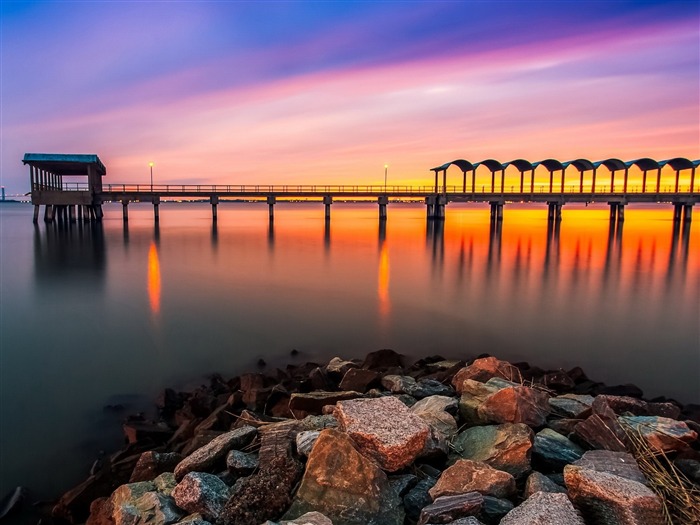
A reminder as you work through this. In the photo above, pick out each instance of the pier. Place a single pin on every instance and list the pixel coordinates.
(82, 201)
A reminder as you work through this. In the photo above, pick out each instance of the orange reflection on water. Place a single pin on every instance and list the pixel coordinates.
(154, 278)
(383, 281)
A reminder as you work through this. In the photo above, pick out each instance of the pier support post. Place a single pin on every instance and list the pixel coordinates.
(156, 204)
(613, 211)
(271, 201)
(550, 211)
(557, 212)
(687, 212)
(48, 213)
(98, 212)
(80, 212)
(36, 214)
(125, 210)
(430, 206)
(440, 203)
(677, 208)
(214, 200)
(383, 200)
(620, 212)
(327, 201)
(86, 213)
(499, 212)
(71, 213)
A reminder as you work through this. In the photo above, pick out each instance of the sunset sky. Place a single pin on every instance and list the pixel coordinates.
(328, 92)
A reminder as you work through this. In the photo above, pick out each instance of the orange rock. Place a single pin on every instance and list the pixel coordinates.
(484, 369)
(473, 476)
(518, 404)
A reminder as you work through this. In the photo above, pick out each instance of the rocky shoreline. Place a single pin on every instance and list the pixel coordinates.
(377, 442)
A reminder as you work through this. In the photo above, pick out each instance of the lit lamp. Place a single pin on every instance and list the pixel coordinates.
(150, 164)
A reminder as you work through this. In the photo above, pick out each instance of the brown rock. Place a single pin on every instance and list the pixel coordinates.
(207, 457)
(384, 429)
(252, 386)
(382, 360)
(506, 447)
(345, 486)
(432, 410)
(469, 476)
(605, 498)
(302, 404)
(518, 404)
(544, 508)
(474, 393)
(446, 509)
(537, 482)
(484, 369)
(573, 406)
(601, 430)
(151, 464)
(359, 380)
(661, 433)
(619, 463)
(339, 367)
(624, 404)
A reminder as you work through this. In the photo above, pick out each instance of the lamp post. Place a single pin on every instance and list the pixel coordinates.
(150, 164)
(386, 170)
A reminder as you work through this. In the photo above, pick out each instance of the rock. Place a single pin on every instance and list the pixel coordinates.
(264, 495)
(199, 440)
(165, 483)
(254, 393)
(494, 509)
(622, 405)
(505, 447)
(313, 402)
(345, 486)
(627, 390)
(469, 520)
(607, 498)
(382, 360)
(432, 411)
(418, 389)
(660, 433)
(474, 394)
(130, 492)
(140, 431)
(205, 459)
(537, 482)
(544, 508)
(401, 484)
(436, 404)
(484, 369)
(690, 468)
(305, 441)
(151, 464)
(339, 366)
(384, 429)
(157, 509)
(241, 463)
(518, 404)
(219, 419)
(418, 497)
(310, 518)
(572, 406)
(553, 451)
(359, 380)
(558, 381)
(619, 463)
(193, 519)
(203, 493)
(468, 476)
(446, 509)
(564, 426)
(602, 431)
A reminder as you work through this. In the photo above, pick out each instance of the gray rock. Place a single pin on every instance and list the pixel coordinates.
(537, 482)
(194, 519)
(205, 459)
(305, 441)
(241, 463)
(494, 509)
(554, 451)
(619, 463)
(418, 497)
(662, 434)
(151, 464)
(157, 509)
(449, 508)
(474, 394)
(340, 366)
(572, 406)
(544, 508)
(402, 483)
(433, 410)
(165, 483)
(469, 520)
(203, 493)
(310, 518)
(418, 389)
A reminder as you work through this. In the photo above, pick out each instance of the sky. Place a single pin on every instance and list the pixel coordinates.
(329, 92)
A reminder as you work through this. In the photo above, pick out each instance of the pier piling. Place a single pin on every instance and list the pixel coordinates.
(327, 201)
(271, 201)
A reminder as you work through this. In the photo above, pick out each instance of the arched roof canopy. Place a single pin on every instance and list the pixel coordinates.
(611, 164)
(462, 164)
(644, 164)
(491, 164)
(550, 164)
(679, 163)
(580, 164)
(521, 164)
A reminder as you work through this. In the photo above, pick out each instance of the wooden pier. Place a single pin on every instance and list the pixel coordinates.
(74, 201)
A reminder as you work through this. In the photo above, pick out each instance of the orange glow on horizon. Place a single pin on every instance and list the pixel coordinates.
(154, 278)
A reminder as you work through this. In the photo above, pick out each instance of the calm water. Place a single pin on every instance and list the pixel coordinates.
(93, 316)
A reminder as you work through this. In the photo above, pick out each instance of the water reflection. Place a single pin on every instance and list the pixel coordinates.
(154, 278)
(383, 276)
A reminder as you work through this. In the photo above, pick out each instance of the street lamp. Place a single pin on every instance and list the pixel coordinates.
(150, 164)
(386, 170)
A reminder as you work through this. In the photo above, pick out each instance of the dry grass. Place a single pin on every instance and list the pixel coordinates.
(679, 495)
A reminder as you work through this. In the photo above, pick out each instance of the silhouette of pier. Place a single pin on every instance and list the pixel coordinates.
(73, 201)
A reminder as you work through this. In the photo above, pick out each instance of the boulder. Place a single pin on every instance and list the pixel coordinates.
(494, 509)
(241, 463)
(660, 433)
(564, 426)
(203, 493)
(619, 463)
(418, 497)
(601, 430)
(484, 369)
(310, 518)
(558, 381)
(382, 360)
(574, 406)
(402, 483)
(384, 429)
(345, 486)
(538, 482)
(165, 483)
(194, 519)
(433, 410)
(505, 447)
(552, 451)
(607, 498)
(544, 508)
(622, 405)
(469, 476)
(305, 441)
(151, 464)
(474, 394)
(359, 380)
(418, 389)
(303, 404)
(157, 509)
(446, 509)
(339, 367)
(206, 458)
(517, 404)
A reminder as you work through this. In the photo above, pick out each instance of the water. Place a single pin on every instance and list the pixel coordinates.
(93, 316)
